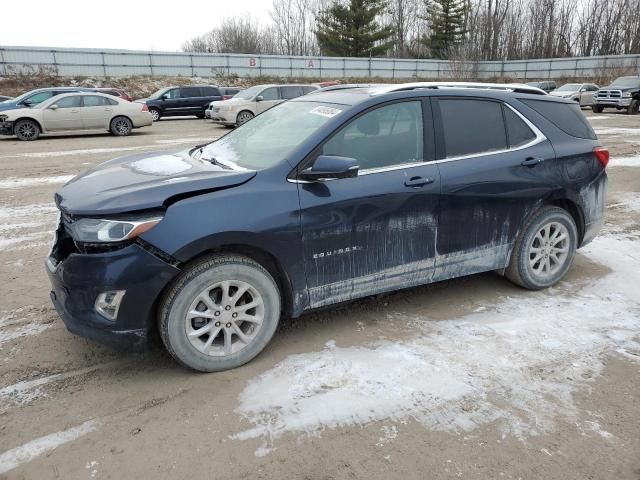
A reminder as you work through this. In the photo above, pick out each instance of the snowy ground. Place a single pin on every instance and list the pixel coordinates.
(468, 378)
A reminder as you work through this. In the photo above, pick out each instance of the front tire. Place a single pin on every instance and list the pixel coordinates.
(121, 126)
(155, 114)
(220, 313)
(634, 107)
(544, 250)
(243, 117)
(26, 130)
(597, 108)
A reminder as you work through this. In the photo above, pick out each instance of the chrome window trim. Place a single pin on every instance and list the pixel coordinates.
(540, 137)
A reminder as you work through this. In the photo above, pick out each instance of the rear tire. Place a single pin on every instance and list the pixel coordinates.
(220, 288)
(26, 130)
(200, 116)
(634, 108)
(544, 250)
(597, 108)
(121, 126)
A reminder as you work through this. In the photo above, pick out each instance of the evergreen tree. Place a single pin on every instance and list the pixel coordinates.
(446, 20)
(351, 30)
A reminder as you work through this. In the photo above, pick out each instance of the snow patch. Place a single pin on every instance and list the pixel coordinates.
(617, 131)
(517, 363)
(16, 182)
(21, 226)
(625, 161)
(27, 452)
(161, 165)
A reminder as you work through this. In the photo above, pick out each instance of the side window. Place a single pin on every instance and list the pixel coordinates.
(270, 94)
(518, 132)
(472, 126)
(94, 101)
(210, 92)
(172, 94)
(73, 101)
(567, 117)
(308, 89)
(111, 101)
(386, 136)
(290, 92)
(592, 88)
(37, 98)
(190, 92)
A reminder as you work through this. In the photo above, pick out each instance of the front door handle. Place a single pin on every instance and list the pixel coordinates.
(75, 110)
(532, 162)
(418, 182)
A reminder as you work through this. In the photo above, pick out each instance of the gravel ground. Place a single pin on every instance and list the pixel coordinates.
(470, 378)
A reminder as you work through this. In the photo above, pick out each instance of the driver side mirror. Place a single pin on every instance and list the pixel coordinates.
(583, 89)
(164, 97)
(259, 98)
(329, 167)
(53, 107)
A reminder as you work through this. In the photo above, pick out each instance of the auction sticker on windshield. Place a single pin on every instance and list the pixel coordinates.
(325, 111)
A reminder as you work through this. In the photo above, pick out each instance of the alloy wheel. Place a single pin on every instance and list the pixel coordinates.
(26, 130)
(224, 318)
(549, 250)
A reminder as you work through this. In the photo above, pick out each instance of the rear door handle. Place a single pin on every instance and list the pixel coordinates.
(418, 182)
(532, 162)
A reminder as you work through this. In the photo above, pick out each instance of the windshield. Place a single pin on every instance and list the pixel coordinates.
(569, 87)
(249, 93)
(626, 82)
(159, 92)
(270, 137)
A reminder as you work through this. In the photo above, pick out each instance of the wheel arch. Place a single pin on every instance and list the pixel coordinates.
(261, 256)
(248, 110)
(37, 122)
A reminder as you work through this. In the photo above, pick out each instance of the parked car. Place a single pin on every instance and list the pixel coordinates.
(622, 94)
(4, 98)
(181, 101)
(323, 199)
(75, 112)
(227, 94)
(35, 97)
(547, 85)
(116, 92)
(581, 93)
(255, 100)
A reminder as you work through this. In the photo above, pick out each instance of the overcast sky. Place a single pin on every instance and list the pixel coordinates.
(135, 25)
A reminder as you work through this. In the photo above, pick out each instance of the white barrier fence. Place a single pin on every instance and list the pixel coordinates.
(122, 63)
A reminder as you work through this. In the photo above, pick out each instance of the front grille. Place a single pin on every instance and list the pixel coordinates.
(609, 94)
(215, 109)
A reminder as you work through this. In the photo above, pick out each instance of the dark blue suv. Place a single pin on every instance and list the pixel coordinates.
(324, 199)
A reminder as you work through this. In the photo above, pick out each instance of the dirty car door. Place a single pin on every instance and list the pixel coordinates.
(374, 232)
(495, 167)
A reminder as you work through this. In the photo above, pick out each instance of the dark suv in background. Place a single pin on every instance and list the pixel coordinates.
(546, 85)
(622, 94)
(179, 101)
(323, 199)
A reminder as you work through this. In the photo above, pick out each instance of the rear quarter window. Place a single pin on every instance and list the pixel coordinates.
(566, 116)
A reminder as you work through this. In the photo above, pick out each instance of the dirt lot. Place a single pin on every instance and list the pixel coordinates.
(472, 378)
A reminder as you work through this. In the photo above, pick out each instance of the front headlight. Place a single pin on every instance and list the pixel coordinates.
(3, 118)
(626, 94)
(94, 230)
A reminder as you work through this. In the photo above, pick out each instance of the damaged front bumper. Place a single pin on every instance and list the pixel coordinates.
(80, 280)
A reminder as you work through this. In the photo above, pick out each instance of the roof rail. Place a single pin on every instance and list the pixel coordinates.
(508, 87)
(346, 86)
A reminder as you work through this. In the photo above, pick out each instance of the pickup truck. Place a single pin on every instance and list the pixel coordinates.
(622, 94)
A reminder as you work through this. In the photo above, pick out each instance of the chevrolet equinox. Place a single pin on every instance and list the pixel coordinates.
(323, 199)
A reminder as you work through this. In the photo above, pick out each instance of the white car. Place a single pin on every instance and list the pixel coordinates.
(253, 101)
(74, 112)
(582, 93)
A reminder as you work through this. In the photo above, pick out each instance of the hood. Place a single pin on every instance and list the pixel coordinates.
(144, 181)
(9, 105)
(16, 111)
(556, 93)
(610, 87)
(234, 101)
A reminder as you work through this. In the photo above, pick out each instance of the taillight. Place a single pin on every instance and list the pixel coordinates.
(602, 154)
(145, 108)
